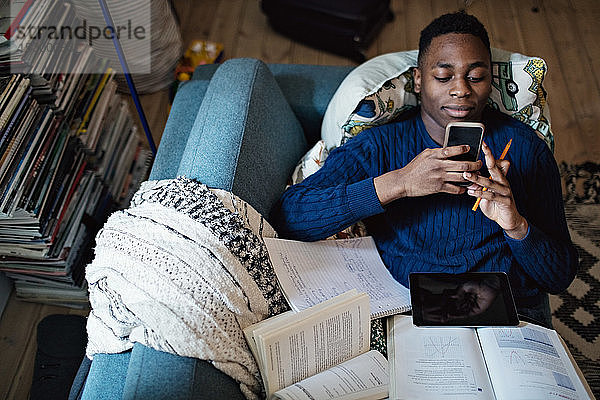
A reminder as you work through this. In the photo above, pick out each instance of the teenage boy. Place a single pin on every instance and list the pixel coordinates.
(402, 183)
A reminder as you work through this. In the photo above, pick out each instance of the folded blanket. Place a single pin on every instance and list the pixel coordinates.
(183, 270)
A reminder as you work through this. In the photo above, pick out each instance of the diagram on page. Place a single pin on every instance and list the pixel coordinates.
(442, 364)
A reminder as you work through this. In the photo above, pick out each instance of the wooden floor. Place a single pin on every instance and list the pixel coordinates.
(563, 32)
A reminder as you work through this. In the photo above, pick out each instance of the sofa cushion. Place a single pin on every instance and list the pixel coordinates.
(245, 139)
(308, 89)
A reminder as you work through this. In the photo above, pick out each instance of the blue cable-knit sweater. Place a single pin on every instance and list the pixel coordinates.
(440, 232)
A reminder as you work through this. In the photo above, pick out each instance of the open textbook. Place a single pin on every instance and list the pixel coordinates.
(291, 347)
(364, 377)
(527, 362)
(312, 272)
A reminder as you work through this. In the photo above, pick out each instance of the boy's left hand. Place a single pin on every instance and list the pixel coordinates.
(497, 203)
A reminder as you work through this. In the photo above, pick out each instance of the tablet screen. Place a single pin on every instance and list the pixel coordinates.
(468, 299)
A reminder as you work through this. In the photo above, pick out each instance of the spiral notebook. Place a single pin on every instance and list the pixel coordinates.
(312, 272)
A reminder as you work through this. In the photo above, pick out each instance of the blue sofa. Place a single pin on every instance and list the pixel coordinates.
(241, 126)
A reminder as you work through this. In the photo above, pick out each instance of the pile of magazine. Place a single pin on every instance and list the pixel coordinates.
(69, 154)
(9, 53)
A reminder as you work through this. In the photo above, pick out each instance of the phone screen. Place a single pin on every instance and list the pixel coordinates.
(460, 135)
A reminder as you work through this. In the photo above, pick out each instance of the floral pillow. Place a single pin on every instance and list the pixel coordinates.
(393, 98)
(362, 101)
(370, 95)
(311, 162)
(517, 90)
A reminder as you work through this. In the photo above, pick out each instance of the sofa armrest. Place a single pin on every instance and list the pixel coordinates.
(245, 139)
(177, 130)
(179, 124)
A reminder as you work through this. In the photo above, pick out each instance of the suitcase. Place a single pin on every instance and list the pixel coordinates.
(344, 27)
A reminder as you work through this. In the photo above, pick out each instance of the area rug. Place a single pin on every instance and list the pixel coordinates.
(576, 311)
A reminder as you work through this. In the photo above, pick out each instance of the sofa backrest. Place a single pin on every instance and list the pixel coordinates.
(308, 89)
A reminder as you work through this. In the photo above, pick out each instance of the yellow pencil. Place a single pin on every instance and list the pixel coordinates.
(501, 158)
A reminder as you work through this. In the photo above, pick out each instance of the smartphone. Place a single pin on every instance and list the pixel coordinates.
(461, 133)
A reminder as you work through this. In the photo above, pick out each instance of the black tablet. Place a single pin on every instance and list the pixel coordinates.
(470, 299)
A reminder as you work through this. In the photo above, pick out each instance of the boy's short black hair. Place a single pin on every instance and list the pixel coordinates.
(458, 22)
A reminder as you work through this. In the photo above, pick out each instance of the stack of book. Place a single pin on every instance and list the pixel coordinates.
(9, 53)
(320, 349)
(69, 154)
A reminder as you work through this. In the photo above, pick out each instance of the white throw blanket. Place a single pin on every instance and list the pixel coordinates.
(183, 273)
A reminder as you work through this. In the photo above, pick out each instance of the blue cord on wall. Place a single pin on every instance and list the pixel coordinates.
(109, 23)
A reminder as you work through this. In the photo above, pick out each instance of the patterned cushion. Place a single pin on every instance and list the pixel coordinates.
(383, 75)
(516, 90)
(310, 162)
(393, 98)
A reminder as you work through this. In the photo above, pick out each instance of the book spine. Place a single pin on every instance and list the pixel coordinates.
(57, 154)
(24, 163)
(40, 161)
(68, 199)
(15, 147)
(7, 90)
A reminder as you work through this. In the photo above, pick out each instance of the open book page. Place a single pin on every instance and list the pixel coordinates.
(310, 273)
(294, 346)
(435, 363)
(363, 377)
(529, 362)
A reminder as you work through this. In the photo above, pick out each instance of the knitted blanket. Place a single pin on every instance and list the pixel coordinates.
(183, 270)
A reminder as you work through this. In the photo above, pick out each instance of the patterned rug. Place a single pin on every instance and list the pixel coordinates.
(576, 311)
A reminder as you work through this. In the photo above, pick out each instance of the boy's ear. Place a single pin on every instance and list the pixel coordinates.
(417, 78)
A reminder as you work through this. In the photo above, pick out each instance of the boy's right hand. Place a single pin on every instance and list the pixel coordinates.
(429, 172)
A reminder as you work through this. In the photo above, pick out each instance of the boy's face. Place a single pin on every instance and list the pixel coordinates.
(454, 81)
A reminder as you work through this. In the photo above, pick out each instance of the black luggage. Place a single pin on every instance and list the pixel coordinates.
(344, 27)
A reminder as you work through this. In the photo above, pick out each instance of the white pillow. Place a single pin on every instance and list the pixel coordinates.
(363, 81)
(384, 86)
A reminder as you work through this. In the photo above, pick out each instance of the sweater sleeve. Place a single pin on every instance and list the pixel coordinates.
(333, 198)
(546, 253)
